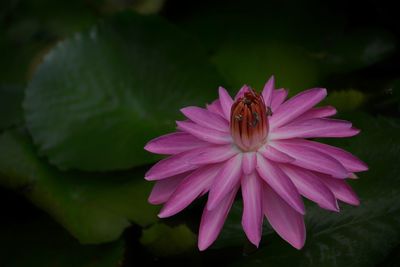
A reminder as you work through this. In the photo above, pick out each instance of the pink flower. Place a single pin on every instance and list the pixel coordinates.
(256, 143)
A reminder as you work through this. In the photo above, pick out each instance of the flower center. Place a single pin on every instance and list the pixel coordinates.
(249, 122)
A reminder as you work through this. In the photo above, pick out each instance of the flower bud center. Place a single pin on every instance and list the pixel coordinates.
(249, 122)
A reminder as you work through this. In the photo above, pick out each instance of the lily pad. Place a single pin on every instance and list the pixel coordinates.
(101, 95)
(93, 207)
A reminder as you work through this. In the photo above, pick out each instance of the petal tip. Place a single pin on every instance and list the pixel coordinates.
(152, 147)
(149, 177)
(299, 241)
(363, 167)
(271, 81)
(355, 202)
(323, 91)
(355, 130)
(222, 89)
(202, 245)
(299, 206)
(255, 240)
(147, 147)
(163, 214)
(298, 245)
(301, 210)
(331, 207)
(154, 200)
(184, 110)
(332, 110)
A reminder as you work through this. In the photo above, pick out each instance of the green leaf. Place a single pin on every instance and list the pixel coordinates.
(253, 63)
(94, 207)
(42, 243)
(357, 236)
(164, 240)
(101, 95)
(10, 106)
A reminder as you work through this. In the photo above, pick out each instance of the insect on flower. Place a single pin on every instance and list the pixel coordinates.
(259, 144)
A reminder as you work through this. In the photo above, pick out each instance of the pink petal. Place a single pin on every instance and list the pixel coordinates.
(275, 155)
(350, 162)
(314, 128)
(311, 187)
(172, 165)
(316, 113)
(278, 96)
(252, 207)
(174, 143)
(226, 102)
(311, 159)
(249, 162)
(206, 118)
(279, 181)
(341, 190)
(163, 189)
(296, 106)
(286, 221)
(213, 220)
(241, 92)
(215, 154)
(215, 107)
(267, 91)
(226, 180)
(191, 187)
(209, 135)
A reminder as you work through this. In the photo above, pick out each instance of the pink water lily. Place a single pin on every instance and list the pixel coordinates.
(256, 143)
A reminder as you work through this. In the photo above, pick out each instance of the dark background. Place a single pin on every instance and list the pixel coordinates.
(82, 201)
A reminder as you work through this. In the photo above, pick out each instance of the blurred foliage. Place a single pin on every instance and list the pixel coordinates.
(356, 49)
(42, 244)
(30, 27)
(295, 40)
(164, 240)
(345, 100)
(11, 113)
(85, 84)
(292, 67)
(394, 92)
(140, 6)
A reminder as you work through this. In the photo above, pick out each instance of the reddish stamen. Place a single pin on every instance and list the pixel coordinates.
(249, 122)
